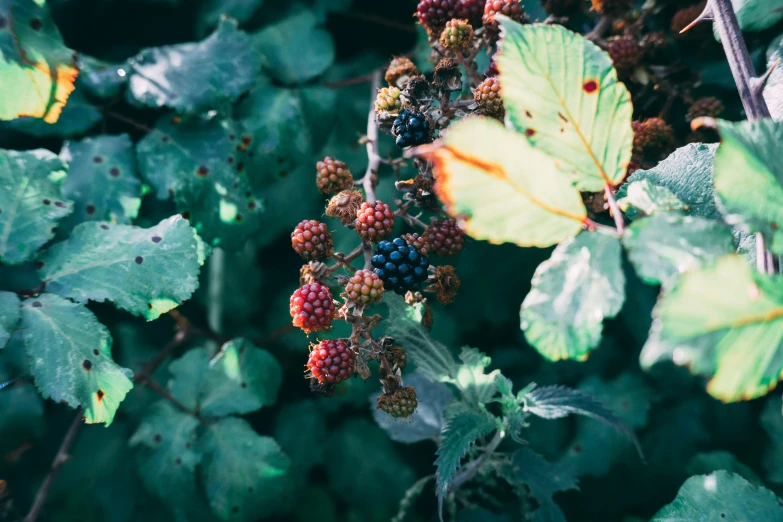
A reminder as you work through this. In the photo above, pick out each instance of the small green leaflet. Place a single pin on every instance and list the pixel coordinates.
(458, 436)
(37, 71)
(476, 386)
(721, 496)
(102, 179)
(9, 316)
(70, 357)
(649, 198)
(167, 455)
(193, 77)
(146, 271)
(31, 202)
(749, 177)
(242, 471)
(737, 340)
(573, 292)
(295, 60)
(502, 188)
(688, 174)
(561, 91)
(202, 162)
(241, 379)
(662, 246)
(544, 480)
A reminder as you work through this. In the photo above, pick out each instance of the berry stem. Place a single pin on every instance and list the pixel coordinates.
(163, 392)
(616, 214)
(471, 469)
(374, 161)
(411, 220)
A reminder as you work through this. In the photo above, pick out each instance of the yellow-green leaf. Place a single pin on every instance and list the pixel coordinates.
(502, 188)
(561, 91)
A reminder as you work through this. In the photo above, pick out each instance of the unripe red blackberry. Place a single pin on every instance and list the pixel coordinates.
(398, 357)
(400, 404)
(611, 7)
(418, 242)
(559, 7)
(511, 8)
(331, 361)
(444, 237)
(705, 107)
(400, 70)
(487, 96)
(434, 14)
(364, 287)
(311, 240)
(457, 35)
(332, 176)
(625, 52)
(312, 307)
(652, 135)
(374, 221)
(388, 100)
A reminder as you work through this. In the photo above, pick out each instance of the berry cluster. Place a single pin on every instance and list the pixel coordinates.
(401, 267)
(331, 362)
(511, 8)
(364, 287)
(625, 52)
(400, 403)
(332, 176)
(457, 35)
(374, 221)
(444, 238)
(434, 14)
(312, 307)
(487, 96)
(311, 240)
(411, 128)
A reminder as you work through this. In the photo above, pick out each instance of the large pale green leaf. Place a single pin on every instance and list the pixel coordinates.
(458, 436)
(9, 316)
(502, 188)
(192, 77)
(299, 59)
(102, 179)
(37, 71)
(243, 473)
(31, 202)
(70, 357)
(749, 177)
(562, 92)
(167, 455)
(688, 174)
(573, 292)
(202, 162)
(241, 380)
(724, 321)
(721, 496)
(146, 271)
(664, 245)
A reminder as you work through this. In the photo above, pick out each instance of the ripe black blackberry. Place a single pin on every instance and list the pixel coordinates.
(311, 240)
(400, 404)
(401, 267)
(331, 361)
(332, 176)
(411, 128)
(374, 221)
(444, 237)
(625, 52)
(312, 307)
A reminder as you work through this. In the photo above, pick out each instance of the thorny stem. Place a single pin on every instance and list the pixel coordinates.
(470, 470)
(59, 460)
(616, 214)
(374, 160)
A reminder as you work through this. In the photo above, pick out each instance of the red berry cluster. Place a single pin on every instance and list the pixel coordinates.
(511, 8)
(311, 240)
(374, 221)
(444, 238)
(331, 362)
(332, 176)
(433, 14)
(364, 288)
(312, 307)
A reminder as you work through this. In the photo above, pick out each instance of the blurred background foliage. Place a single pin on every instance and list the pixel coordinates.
(307, 66)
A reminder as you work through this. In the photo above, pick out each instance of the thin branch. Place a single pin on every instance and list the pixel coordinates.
(357, 80)
(163, 392)
(59, 460)
(374, 160)
(129, 121)
(615, 210)
(179, 339)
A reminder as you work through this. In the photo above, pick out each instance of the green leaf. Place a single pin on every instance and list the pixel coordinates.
(649, 198)
(23, 411)
(241, 379)
(70, 357)
(243, 473)
(562, 92)
(544, 480)
(31, 202)
(772, 422)
(662, 246)
(711, 461)
(720, 496)
(773, 89)
(102, 179)
(102, 80)
(9, 316)
(212, 12)
(502, 188)
(749, 177)
(573, 292)
(295, 60)
(202, 162)
(76, 118)
(737, 340)
(756, 15)
(688, 174)
(476, 386)
(458, 436)
(192, 77)
(146, 271)
(37, 70)
(167, 456)
(300, 428)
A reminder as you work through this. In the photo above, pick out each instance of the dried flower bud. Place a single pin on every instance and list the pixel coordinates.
(448, 77)
(345, 205)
